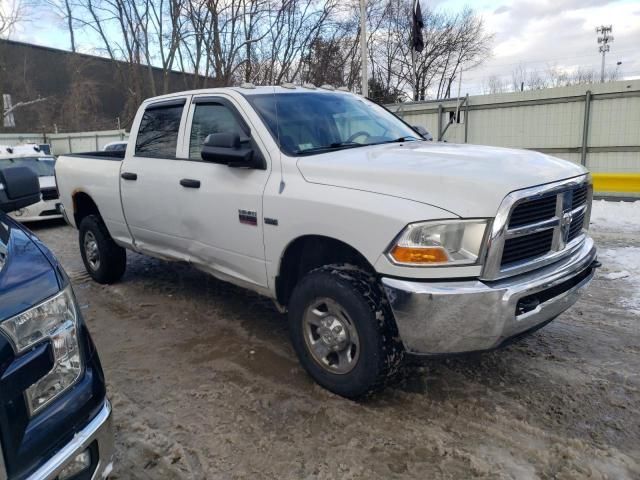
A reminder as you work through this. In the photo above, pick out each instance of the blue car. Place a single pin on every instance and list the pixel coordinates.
(55, 418)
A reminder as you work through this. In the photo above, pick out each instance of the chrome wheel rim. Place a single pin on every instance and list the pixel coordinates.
(331, 336)
(91, 250)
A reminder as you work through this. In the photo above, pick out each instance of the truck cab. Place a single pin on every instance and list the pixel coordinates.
(55, 418)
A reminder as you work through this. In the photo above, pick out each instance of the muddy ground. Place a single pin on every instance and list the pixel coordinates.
(205, 384)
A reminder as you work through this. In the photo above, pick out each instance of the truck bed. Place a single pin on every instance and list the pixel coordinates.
(99, 179)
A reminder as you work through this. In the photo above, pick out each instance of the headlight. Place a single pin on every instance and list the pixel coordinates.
(444, 242)
(55, 320)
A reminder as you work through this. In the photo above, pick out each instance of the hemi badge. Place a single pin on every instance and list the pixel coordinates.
(271, 221)
(248, 217)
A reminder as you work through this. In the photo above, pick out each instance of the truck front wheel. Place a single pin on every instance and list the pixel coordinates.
(104, 260)
(343, 331)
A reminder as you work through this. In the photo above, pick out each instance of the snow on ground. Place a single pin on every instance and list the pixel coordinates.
(621, 264)
(616, 216)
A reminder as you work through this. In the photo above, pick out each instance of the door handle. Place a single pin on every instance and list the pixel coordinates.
(190, 183)
(129, 176)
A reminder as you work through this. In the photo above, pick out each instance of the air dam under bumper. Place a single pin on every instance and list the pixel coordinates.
(436, 318)
(99, 430)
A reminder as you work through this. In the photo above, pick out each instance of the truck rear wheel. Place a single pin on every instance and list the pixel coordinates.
(104, 260)
(343, 331)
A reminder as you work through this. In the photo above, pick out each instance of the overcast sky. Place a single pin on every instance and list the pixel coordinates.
(536, 34)
(560, 33)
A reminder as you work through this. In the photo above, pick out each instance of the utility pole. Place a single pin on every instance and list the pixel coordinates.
(603, 40)
(363, 47)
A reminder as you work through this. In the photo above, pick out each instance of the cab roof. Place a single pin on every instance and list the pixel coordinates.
(249, 89)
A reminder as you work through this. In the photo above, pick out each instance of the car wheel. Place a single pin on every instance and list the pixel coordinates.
(343, 331)
(104, 260)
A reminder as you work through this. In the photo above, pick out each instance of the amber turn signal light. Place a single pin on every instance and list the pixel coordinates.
(419, 254)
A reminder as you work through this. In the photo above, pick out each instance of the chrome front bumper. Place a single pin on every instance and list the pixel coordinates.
(436, 318)
(99, 429)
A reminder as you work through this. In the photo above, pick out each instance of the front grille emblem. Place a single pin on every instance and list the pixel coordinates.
(565, 226)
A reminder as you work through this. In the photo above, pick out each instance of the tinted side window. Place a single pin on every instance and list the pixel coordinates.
(158, 133)
(211, 118)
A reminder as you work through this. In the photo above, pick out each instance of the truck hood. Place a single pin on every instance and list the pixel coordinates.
(467, 180)
(26, 274)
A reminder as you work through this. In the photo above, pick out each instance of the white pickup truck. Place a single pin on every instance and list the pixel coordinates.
(379, 244)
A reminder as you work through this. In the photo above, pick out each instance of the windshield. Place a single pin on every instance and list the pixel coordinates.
(42, 166)
(307, 123)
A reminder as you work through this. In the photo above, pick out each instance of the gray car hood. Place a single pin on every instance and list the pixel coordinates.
(468, 180)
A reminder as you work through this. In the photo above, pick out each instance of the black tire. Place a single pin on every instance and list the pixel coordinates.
(360, 296)
(112, 259)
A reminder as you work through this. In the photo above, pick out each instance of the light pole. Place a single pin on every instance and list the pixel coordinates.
(363, 47)
(604, 41)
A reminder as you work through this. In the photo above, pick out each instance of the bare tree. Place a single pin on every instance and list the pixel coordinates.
(495, 84)
(523, 78)
(226, 42)
(468, 46)
(452, 41)
(64, 10)
(223, 42)
(25, 103)
(11, 13)
(290, 30)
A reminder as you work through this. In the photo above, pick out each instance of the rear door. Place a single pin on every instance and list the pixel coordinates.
(149, 182)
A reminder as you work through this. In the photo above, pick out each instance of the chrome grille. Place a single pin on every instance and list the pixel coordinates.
(533, 211)
(521, 248)
(580, 195)
(575, 229)
(541, 225)
(537, 226)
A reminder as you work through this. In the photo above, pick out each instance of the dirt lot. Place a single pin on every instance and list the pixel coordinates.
(205, 385)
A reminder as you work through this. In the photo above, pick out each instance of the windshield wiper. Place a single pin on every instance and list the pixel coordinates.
(332, 147)
(344, 145)
(408, 138)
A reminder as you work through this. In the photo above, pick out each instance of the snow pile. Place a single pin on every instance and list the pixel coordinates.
(620, 265)
(617, 275)
(616, 216)
(623, 263)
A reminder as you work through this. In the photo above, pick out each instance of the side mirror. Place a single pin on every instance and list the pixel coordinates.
(19, 188)
(423, 132)
(226, 148)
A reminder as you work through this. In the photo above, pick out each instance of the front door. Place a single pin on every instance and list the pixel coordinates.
(222, 205)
